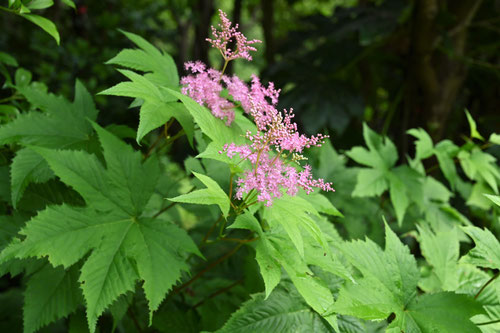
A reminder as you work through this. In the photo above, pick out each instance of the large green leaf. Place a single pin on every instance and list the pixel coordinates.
(123, 245)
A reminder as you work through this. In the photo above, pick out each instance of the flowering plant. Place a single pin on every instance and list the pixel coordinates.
(85, 220)
(277, 137)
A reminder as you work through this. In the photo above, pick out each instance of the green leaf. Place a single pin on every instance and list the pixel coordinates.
(322, 204)
(83, 103)
(370, 182)
(293, 214)
(494, 138)
(123, 246)
(154, 247)
(211, 126)
(148, 59)
(494, 198)
(22, 77)
(213, 194)
(27, 167)
(270, 268)
(281, 312)
(487, 250)
(51, 294)
(444, 312)
(138, 87)
(40, 4)
(441, 249)
(473, 128)
(423, 144)
(45, 24)
(389, 278)
(69, 3)
(479, 165)
(445, 152)
(399, 199)
(62, 125)
(8, 59)
(154, 115)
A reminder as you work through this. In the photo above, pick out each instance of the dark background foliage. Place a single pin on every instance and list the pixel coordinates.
(395, 64)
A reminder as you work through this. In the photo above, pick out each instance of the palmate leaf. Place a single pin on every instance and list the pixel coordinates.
(161, 66)
(389, 286)
(123, 246)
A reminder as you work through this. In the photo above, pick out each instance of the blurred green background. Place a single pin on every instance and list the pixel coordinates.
(395, 64)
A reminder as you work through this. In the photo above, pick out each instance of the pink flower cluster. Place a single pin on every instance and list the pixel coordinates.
(228, 34)
(277, 137)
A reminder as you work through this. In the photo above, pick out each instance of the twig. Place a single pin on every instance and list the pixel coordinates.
(134, 319)
(218, 292)
(205, 270)
(204, 240)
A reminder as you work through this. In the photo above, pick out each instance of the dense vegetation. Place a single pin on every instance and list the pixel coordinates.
(181, 198)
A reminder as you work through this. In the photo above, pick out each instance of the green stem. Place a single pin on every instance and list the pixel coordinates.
(489, 322)
(486, 284)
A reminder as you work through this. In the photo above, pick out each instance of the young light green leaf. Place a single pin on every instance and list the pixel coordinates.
(473, 128)
(487, 250)
(22, 77)
(494, 138)
(423, 145)
(211, 195)
(54, 288)
(399, 199)
(43, 23)
(445, 151)
(370, 182)
(40, 4)
(479, 165)
(494, 198)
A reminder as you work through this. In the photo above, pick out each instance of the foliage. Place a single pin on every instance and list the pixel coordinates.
(105, 230)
